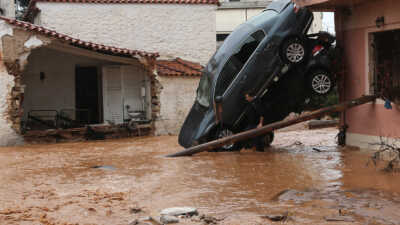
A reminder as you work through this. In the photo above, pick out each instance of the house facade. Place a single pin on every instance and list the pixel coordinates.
(368, 31)
(184, 29)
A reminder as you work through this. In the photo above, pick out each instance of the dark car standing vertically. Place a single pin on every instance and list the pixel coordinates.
(253, 58)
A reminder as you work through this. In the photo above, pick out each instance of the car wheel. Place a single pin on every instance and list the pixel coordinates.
(225, 132)
(320, 82)
(293, 51)
(268, 139)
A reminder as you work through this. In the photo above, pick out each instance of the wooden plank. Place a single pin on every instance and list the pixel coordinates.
(318, 124)
(274, 126)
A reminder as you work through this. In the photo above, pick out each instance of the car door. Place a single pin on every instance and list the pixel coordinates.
(233, 77)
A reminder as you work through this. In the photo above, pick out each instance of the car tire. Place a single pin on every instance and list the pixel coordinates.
(320, 82)
(293, 51)
(225, 132)
(268, 139)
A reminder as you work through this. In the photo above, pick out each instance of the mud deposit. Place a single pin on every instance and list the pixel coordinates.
(116, 182)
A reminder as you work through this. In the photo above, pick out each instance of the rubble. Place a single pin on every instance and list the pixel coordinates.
(166, 219)
(178, 211)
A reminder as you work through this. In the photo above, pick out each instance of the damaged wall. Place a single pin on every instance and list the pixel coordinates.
(15, 48)
(178, 30)
(177, 97)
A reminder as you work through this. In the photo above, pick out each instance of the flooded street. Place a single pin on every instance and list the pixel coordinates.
(104, 182)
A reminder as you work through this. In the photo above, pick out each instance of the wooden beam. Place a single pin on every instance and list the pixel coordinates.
(273, 126)
(92, 54)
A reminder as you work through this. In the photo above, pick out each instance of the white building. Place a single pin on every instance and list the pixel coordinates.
(170, 28)
(76, 64)
(231, 14)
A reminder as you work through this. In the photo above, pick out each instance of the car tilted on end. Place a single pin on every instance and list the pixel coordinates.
(260, 56)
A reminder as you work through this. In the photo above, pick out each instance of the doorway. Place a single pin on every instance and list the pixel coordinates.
(87, 95)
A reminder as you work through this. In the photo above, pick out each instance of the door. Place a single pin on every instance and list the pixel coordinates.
(87, 95)
(133, 85)
(112, 89)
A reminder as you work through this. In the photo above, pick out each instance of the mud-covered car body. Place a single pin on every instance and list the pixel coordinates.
(248, 61)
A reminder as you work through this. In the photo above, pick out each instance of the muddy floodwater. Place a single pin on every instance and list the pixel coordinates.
(304, 176)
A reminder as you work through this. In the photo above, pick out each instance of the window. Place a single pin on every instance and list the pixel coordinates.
(236, 62)
(386, 64)
(222, 37)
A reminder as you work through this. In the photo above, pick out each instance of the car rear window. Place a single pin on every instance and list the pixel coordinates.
(237, 61)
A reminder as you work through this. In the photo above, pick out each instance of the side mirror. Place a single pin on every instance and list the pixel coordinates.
(218, 99)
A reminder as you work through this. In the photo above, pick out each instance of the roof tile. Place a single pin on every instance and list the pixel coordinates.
(178, 67)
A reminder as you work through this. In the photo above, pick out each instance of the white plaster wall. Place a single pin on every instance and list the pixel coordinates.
(178, 30)
(57, 91)
(8, 7)
(229, 19)
(7, 135)
(177, 98)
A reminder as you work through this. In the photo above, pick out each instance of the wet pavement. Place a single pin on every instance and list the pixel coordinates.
(304, 176)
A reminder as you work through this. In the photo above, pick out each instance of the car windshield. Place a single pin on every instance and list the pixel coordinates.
(203, 91)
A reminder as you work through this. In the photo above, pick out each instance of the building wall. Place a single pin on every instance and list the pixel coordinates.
(8, 7)
(229, 19)
(7, 135)
(176, 30)
(177, 97)
(370, 120)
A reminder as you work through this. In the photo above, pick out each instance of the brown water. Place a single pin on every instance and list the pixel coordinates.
(56, 184)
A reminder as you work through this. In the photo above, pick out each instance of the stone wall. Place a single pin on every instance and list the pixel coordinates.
(177, 97)
(176, 30)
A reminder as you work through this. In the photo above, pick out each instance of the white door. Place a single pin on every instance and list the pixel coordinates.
(113, 94)
(133, 81)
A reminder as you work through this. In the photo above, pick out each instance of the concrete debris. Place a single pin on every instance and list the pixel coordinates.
(137, 222)
(339, 219)
(177, 211)
(151, 220)
(166, 219)
(277, 218)
(209, 219)
(135, 210)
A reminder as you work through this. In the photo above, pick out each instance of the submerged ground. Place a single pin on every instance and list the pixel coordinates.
(60, 184)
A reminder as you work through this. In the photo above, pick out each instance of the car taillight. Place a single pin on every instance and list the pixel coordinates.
(317, 49)
(296, 8)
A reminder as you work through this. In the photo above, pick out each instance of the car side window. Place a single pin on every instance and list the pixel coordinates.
(237, 61)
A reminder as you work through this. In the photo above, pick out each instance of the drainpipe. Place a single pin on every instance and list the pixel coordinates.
(342, 82)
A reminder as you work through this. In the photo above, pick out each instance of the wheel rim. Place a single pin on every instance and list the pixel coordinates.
(295, 52)
(321, 83)
(225, 133)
